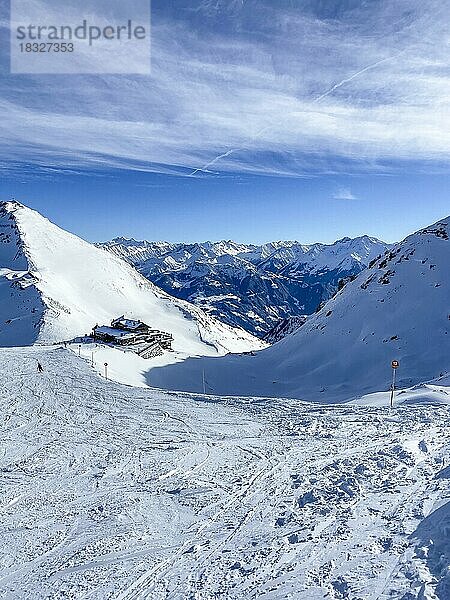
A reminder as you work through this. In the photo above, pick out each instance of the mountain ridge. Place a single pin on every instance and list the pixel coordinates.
(55, 286)
(247, 285)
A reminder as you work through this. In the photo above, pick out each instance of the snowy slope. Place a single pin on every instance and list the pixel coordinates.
(108, 491)
(55, 286)
(254, 287)
(398, 308)
(21, 307)
(436, 391)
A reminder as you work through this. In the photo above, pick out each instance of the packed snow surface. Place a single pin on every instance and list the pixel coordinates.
(115, 492)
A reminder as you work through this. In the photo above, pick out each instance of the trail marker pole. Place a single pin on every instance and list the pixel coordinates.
(395, 365)
(106, 371)
(92, 358)
(79, 349)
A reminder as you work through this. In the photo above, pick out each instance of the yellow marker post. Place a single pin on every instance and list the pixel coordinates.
(395, 365)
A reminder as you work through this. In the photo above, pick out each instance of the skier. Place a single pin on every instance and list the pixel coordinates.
(39, 368)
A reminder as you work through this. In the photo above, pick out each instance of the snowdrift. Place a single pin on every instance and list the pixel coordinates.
(398, 308)
(55, 286)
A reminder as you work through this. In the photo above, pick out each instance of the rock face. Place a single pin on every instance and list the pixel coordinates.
(284, 328)
(398, 308)
(253, 287)
(55, 286)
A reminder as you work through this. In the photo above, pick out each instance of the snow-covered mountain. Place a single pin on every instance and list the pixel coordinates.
(55, 286)
(398, 308)
(254, 287)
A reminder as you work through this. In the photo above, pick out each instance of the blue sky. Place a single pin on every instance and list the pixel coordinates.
(261, 120)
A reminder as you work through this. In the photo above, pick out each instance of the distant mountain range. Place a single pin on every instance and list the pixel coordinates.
(254, 287)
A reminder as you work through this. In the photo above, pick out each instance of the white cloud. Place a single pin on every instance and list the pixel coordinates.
(304, 95)
(344, 194)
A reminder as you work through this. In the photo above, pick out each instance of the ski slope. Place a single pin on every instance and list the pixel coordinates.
(55, 286)
(110, 491)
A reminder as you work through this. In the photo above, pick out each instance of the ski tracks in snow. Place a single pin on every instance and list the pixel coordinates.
(116, 492)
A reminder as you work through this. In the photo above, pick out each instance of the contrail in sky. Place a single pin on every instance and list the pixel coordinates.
(348, 79)
(318, 99)
(205, 168)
